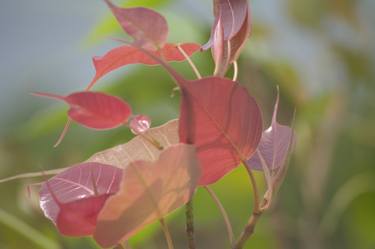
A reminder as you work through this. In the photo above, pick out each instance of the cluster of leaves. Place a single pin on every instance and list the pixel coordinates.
(117, 192)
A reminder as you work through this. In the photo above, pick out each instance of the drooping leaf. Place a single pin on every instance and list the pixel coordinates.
(95, 110)
(126, 55)
(149, 191)
(220, 118)
(274, 145)
(143, 147)
(148, 28)
(220, 50)
(74, 198)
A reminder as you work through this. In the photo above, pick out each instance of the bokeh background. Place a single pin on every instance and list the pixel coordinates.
(320, 52)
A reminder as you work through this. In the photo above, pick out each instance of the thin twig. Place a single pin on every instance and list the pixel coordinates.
(257, 212)
(223, 213)
(248, 230)
(190, 224)
(191, 63)
(235, 71)
(167, 233)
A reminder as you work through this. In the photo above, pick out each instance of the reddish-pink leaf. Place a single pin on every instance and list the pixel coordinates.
(149, 191)
(95, 110)
(126, 55)
(148, 28)
(221, 119)
(74, 198)
(274, 146)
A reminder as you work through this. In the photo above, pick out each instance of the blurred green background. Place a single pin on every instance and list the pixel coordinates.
(320, 52)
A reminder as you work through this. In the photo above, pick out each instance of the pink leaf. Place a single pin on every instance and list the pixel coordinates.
(220, 118)
(233, 14)
(149, 191)
(223, 121)
(239, 40)
(126, 55)
(148, 28)
(95, 110)
(274, 146)
(74, 198)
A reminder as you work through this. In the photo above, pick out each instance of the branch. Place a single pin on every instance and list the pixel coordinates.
(190, 224)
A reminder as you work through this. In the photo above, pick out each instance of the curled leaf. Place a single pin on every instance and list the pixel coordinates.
(126, 55)
(149, 191)
(94, 110)
(274, 145)
(148, 28)
(74, 198)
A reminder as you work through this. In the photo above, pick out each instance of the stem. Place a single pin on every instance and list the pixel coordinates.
(191, 63)
(190, 224)
(223, 213)
(257, 212)
(167, 233)
(235, 71)
(248, 230)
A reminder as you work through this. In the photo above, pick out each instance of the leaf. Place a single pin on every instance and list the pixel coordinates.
(148, 28)
(94, 110)
(126, 55)
(149, 191)
(223, 121)
(233, 14)
(274, 145)
(141, 147)
(239, 40)
(220, 118)
(74, 198)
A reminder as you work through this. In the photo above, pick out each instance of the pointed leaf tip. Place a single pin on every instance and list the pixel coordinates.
(274, 146)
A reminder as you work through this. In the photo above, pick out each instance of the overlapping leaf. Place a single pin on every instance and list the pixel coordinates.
(74, 198)
(95, 110)
(126, 55)
(221, 119)
(149, 191)
(143, 147)
(148, 28)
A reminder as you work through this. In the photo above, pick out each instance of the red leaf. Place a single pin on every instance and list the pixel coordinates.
(125, 55)
(223, 121)
(149, 191)
(239, 40)
(148, 28)
(220, 118)
(95, 110)
(74, 198)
